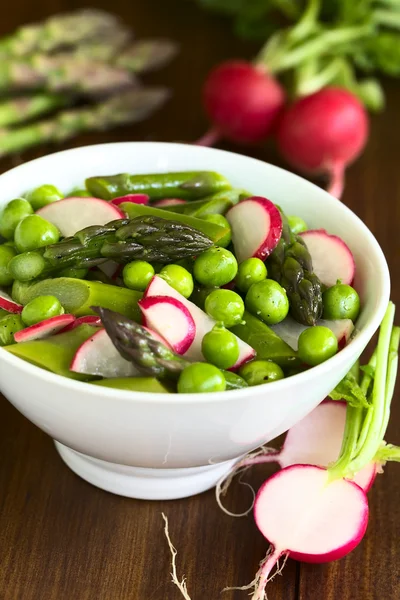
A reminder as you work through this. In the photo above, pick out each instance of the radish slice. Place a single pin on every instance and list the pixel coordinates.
(256, 227)
(289, 330)
(86, 320)
(203, 323)
(44, 328)
(73, 214)
(169, 202)
(98, 356)
(134, 198)
(331, 258)
(8, 304)
(171, 319)
(157, 336)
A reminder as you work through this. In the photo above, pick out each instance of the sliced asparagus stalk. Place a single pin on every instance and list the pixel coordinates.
(20, 109)
(147, 55)
(130, 107)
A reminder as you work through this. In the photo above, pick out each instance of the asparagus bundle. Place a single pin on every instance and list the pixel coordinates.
(145, 238)
(129, 107)
(23, 108)
(290, 265)
(134, 343)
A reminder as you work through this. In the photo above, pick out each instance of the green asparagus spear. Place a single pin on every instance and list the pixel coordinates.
(20, 109)
(62, 73)
(137, 345)
(218, 203)
(59, 31)
(129, 107)
(188, 185)
(290, 265)
(147, 55)
(145, 238)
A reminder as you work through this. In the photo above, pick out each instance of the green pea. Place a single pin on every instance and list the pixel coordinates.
(316, 345)
(297, 224)
(74, 273)
(234, 381)
(6, 254)
(215, 267)
(41, 308)
(200, 294)
(12, 214)
(8, 326)
(201, 378)
(225, 306)
(257, 372)
(251, 270)
(268, 301)
(80, 193)
(178, 278)
(34, 232)
(220, 347)
(137, 275)
(341, 301)
(221, 220)
(44, 195)
(186, 263)
(27, 266)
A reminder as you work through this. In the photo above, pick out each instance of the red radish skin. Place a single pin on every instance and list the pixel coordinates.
(256, 225)
(44, 328)
(86, 320)
(204, 323)
(98, 356)
(305, 517)
(8, 304)
(134, 198)
(171, 319)
(242, 101)
(73, 214)
(332, 259)
(169, 202)
(323, 133)
(289, 330)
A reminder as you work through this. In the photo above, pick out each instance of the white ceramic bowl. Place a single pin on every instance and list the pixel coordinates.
(157, 446)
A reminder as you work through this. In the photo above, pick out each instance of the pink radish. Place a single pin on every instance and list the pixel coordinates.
(171, 319)
(256, 227)
(86, 320)
(134, 198)
(332, 259)
(169, 202)
(289, 330)
(44, 328)
(72, 214)
(98, 356)
(157, 336)
(308, 518)
(8, 304)
(323, 133)
(203, 323)
(242, 101)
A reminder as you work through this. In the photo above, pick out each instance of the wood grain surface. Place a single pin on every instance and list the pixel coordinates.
(61, 538)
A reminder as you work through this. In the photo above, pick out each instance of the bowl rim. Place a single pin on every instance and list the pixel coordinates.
(355, 346)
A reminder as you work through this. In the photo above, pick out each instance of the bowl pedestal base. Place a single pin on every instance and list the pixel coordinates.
(141, 483)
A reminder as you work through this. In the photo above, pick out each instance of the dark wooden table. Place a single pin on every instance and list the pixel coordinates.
(61, 538)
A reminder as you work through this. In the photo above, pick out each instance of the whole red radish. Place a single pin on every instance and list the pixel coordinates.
(323, 133)
(242, 101)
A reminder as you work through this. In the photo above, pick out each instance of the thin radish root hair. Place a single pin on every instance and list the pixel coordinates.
(181, 585)
(262, 455)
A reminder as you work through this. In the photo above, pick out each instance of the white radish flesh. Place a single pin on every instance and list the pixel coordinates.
(256, 225)
(171, 319)
(73, 214)
(44, 328)
(305, 516)
(289, 330)
(204, 323)
(157, 336)
(332, 259)
(169, 202)
(98, 356)
(8, 304)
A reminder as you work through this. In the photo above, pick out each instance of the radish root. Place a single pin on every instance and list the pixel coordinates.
(260, 456)
(210, 138)
(181, 585)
